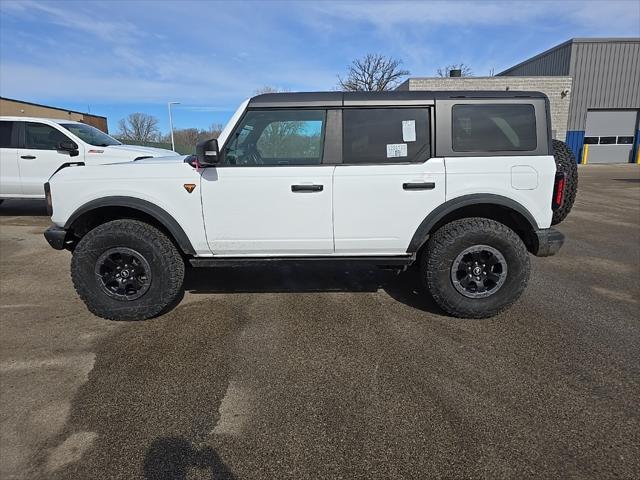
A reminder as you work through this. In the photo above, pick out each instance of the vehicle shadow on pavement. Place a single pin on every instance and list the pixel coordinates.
(20, 208)
(404, 287)
(172, 458)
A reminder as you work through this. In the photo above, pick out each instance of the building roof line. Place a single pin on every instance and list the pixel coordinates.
(52, 108)
(569, 42)
(485, 77)
(539, 55)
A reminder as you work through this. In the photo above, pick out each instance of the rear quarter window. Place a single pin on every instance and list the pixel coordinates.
(493, 128)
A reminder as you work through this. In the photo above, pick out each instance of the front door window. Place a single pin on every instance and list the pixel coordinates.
(277, 137)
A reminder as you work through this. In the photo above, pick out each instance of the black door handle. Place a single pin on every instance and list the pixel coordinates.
(307, 188)
(419, 186)
(28, 157)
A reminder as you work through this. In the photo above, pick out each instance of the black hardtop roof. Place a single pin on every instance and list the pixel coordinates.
(339, 99)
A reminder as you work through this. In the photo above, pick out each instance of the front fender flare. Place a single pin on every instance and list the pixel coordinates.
(422, 233)
(151, 209)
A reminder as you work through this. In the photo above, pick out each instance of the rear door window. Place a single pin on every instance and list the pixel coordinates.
(385, 135)
(494, 128)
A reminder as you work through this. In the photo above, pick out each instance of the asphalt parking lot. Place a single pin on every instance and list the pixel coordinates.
(310, 373)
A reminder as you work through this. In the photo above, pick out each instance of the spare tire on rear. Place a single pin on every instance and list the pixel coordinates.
(565, 163)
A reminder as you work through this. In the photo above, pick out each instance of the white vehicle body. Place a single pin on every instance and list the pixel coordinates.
(254, 213)
(465, 184)
(25, 166)
(362, 210)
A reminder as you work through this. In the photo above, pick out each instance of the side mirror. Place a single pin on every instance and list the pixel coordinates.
(207, 152)
(69, 146)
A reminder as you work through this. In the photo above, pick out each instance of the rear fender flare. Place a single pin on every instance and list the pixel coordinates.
(424, 229)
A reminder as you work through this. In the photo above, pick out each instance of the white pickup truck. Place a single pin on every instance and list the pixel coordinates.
(33, 149)
(464, 184)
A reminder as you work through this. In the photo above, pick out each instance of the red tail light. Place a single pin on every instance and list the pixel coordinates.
(558, 191)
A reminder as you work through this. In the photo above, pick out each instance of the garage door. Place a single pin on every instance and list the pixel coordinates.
(610, 135)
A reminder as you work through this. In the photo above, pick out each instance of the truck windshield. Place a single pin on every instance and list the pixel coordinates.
(90, 134)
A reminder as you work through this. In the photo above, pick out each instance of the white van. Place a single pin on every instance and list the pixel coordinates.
(33, 149)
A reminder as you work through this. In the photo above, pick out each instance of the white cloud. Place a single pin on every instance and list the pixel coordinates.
(216, 53)
(94, 25)
(623, 14)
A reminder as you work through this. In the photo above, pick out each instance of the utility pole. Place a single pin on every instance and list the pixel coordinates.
(173, 144)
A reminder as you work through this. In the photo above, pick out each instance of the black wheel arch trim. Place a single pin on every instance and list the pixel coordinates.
(423, 230)
(144, 206)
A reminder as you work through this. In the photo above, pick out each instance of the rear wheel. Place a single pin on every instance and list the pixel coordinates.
(475, 267)
(566, 164)
(127, 270)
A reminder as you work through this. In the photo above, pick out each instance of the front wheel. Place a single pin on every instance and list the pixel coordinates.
(475, 267)
(127, 270)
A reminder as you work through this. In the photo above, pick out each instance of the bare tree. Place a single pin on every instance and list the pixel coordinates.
(139, 127)
(266, 89)
(186, 136)
(270, 89)
(465, 70)
(372, 73)
(215, 129)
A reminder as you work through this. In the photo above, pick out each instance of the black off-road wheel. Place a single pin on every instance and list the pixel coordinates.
(127, 270)
(475, 267)
(565, 163)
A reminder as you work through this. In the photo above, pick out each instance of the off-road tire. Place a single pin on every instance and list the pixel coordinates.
(163, 258)
(565, 163)
(444, 246)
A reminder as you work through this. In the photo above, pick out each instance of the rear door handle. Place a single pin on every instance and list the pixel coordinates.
(307, 188)
(419, 186)
(28, 157)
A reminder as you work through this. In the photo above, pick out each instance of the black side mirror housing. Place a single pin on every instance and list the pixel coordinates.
(69, 146)
(207, 152)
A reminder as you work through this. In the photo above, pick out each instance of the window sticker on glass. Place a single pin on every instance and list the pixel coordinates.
(408, 130)
(395, 150)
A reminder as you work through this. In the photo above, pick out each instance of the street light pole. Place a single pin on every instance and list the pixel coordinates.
(173, 144)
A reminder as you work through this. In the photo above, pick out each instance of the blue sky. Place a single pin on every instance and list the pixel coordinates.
(117, 57)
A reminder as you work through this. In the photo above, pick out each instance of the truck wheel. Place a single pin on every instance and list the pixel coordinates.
(475, 267)
(127, 270)
(565, 163)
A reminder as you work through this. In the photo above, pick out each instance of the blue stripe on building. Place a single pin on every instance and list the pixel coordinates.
(575, 140)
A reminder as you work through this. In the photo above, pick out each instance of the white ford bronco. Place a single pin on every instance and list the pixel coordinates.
(463, 184)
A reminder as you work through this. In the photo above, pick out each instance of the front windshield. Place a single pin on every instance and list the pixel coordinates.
(90, 134)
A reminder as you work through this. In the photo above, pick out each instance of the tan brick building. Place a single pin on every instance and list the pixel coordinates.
(18, 108)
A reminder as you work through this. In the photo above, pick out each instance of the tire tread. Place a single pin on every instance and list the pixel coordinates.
(163, 246)
(443, 238)
(565, 163)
